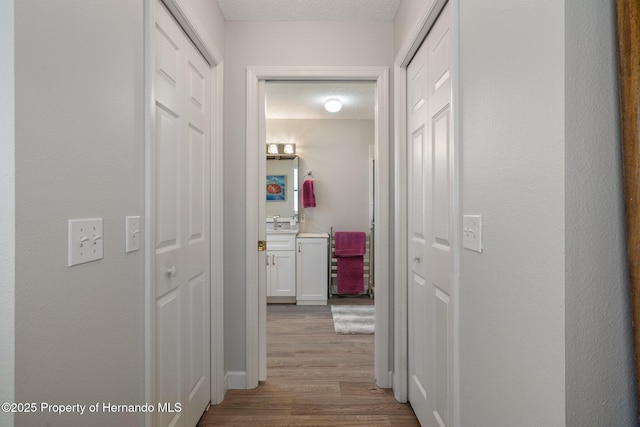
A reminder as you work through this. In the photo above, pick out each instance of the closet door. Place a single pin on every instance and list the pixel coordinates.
(430, 264)
(180, 226)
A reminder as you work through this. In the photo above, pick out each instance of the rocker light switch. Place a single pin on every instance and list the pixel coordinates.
(85, 240)
(472, 232)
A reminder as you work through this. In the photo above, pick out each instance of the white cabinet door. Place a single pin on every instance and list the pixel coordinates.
(311, 271)
(281, 274)
(430, 262)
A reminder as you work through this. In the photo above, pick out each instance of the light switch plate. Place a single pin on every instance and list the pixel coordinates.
(133, 237)
(86, 242)
(472, 232)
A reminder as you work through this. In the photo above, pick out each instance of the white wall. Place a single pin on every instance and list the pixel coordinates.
(407, 22)
(7, 210)
(79, 154)
(512, 333)
(599, 354)
(337, 151)
(545, 334)
(211, 16)
(282, 44)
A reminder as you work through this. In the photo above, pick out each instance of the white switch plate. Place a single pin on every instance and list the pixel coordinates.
(86, 240)
(472, 232)
(132, 238)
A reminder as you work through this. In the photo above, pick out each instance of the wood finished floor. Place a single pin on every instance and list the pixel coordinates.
(315, 377)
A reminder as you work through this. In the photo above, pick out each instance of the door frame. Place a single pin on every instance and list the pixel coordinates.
(255, 301)
(7, 210)
(428, 17)
(195, 30)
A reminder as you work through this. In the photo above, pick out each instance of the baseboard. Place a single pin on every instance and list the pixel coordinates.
(236, 380)
(281, 300)
(386, 381)
(312, 302)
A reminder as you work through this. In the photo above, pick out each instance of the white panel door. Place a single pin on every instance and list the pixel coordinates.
(430, 210)
(180, 225)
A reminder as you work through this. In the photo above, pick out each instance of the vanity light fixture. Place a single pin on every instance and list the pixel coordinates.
(333, 105)
(276, 149)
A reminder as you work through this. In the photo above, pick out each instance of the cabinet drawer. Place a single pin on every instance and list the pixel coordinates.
(281, 242)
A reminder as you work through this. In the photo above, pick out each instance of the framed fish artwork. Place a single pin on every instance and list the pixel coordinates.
(276, 188)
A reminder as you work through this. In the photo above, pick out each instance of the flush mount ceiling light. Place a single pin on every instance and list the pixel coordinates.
(333, 105)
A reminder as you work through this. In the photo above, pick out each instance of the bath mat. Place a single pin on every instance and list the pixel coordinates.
(353, 319)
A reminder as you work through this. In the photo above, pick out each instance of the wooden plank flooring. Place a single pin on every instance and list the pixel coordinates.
(315, 377)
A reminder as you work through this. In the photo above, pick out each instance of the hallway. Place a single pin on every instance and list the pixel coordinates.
(316, 377)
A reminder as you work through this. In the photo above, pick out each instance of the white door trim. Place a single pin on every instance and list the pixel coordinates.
(254, 308)
(188, 20)
(7, 208)
(427, 18)
(400, 289)
(193, 27)
(218, 383)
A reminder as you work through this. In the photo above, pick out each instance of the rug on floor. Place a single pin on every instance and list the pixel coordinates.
(353, 319)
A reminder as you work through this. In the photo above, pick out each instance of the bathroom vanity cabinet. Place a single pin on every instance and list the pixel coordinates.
(311, 268)
(297, 267)
(281, 265)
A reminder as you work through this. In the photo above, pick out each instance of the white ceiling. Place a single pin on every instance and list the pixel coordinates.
(305, 100)
(309, 10)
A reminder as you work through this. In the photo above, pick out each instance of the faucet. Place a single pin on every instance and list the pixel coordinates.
(276, 225)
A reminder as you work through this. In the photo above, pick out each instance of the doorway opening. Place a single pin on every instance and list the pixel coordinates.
(310, 144)
(257, 79)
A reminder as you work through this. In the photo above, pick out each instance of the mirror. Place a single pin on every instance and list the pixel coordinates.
(282, 187)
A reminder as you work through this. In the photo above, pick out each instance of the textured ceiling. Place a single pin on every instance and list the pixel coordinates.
(309, 10)
(305, 100)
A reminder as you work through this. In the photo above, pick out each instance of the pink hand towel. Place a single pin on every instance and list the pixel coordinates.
(308, 198)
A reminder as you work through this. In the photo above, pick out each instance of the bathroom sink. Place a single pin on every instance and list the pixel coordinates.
(283, 228)
(282, 231)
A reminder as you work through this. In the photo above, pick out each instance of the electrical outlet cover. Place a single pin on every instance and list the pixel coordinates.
(472, 232)
(132, 237)
(86, 242)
